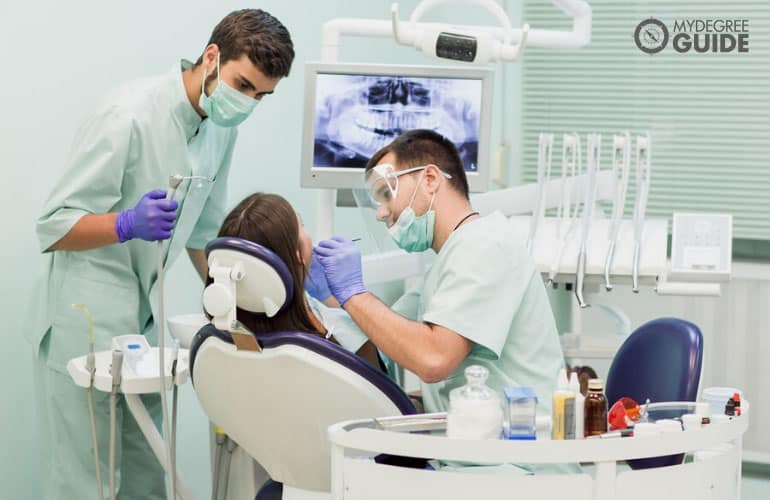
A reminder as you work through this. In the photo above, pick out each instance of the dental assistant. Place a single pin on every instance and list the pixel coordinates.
(481, 303)
(109, 203)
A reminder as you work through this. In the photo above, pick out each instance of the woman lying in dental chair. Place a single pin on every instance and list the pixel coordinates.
(269, 220)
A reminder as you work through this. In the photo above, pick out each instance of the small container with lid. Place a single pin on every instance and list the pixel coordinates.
(595, 412)
(521, 406)
(474, 409)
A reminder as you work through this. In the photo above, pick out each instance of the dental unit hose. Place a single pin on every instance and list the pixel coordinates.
(115, 371)
(220, 437)
(174, 399)
(228, 460)
(174, 183)
(91, 369)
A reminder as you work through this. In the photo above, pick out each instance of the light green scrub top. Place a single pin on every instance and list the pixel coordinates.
(483, 285)
(134, 140)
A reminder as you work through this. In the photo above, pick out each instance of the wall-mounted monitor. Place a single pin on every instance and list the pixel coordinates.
(353, 110)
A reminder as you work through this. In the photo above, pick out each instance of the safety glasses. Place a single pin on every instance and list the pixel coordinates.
(382, 181)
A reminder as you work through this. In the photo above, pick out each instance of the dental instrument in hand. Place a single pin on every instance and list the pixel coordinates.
(592, 166)
(643, 171)
(570, 164)
(91, 369)
(544, 155)
(621, 162)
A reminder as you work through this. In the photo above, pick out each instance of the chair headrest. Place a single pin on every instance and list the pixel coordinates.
(248, 273)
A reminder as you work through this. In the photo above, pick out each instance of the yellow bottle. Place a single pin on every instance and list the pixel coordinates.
(563, 408)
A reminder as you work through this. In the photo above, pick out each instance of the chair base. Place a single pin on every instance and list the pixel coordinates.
(273, 490)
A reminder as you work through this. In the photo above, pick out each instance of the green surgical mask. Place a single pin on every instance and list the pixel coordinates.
(411, 232)
(225, 106)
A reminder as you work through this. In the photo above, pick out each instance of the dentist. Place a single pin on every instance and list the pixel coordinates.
(481, 303)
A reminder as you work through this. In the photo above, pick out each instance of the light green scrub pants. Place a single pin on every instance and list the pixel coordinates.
(67, 467)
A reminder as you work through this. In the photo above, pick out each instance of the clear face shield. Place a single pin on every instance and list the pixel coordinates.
(376, 230)
(380, 189)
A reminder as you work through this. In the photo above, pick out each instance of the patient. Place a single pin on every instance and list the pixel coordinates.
(269, 220)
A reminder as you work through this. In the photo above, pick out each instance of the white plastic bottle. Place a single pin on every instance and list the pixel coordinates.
(580, 400)
(475, 411)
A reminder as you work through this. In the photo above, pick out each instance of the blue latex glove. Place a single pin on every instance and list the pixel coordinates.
(151, 219)
(341, 262)
(315, 283)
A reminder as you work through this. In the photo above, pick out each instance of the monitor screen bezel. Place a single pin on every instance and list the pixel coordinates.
(313, 176)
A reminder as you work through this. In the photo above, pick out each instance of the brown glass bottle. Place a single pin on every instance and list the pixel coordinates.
(595, 409)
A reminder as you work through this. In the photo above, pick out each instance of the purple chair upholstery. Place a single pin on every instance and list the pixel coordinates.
(320, 346)
(661, 360)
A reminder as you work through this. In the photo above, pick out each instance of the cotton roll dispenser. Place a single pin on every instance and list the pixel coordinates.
(475, 411)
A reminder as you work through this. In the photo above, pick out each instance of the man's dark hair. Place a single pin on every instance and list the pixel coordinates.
(254, 32)
(421, 147)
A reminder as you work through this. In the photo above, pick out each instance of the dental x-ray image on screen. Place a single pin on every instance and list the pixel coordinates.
(356, 115)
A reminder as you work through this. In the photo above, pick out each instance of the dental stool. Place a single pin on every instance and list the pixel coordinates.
(276, 394)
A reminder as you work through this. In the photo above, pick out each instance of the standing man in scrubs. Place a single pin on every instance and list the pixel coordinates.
(97, 227)
(481, 303)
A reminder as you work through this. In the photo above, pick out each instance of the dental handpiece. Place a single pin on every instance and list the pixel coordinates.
(592, 165)
(621, 159)
(545, 148)
(642, 190)
(176, 180)
(565, 213)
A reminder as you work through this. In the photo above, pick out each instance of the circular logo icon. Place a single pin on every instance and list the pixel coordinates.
(651, 36)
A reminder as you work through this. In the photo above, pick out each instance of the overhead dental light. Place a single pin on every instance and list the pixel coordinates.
(482, 44)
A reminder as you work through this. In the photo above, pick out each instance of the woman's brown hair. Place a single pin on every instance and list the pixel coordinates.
(269, 220)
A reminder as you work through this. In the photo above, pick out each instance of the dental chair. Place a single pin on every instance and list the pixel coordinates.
(661, 360)
(276, 394)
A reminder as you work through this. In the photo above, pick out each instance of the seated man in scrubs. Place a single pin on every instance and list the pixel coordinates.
(481, 303)
(269, 220)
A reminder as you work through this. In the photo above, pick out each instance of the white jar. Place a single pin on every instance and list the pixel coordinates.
(474, 409)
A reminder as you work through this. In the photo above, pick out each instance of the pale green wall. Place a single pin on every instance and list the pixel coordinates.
(58, 57)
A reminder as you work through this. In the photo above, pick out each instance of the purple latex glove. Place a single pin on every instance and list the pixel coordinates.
(315, 283)
(151, 219)
(341, 263)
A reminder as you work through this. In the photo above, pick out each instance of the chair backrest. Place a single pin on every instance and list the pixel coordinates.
(661, 360)
(278, 403)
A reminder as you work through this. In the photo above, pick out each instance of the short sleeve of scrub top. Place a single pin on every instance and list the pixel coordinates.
(92, 182)
(476, 291)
